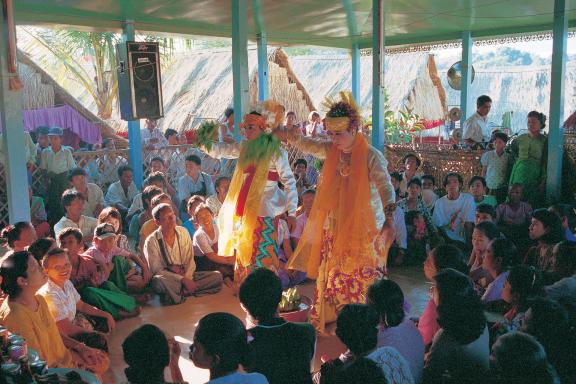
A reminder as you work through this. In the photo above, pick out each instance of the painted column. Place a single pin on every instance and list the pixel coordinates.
(378, 136)
(556, 130)
(135, 141)
(239, 62)
(263, 85)
(466, 81)
(13, 137)
(355, 52)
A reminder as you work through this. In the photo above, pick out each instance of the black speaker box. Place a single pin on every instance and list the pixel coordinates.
(139, 82)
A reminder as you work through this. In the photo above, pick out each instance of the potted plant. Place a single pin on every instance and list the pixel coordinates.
(294, 307)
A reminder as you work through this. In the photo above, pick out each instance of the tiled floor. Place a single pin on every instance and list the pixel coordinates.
(179, 321)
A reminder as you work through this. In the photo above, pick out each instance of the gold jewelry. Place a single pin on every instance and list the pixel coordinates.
(344, 165)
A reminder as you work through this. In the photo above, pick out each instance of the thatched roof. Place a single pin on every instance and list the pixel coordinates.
(517, 89)
(42, 91)
(198, 86)
(411, 81)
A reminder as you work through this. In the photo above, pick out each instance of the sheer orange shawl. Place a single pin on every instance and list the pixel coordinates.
(347, 199)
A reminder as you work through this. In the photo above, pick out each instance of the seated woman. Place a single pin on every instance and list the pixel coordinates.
(523, 284)
(519, 358)
(67, 307)
(26, 313)
(148, 351)
(441, 257)
(461, 345)
(112, 216)
(357, 328)
(220, 345)
(546, 229)
(499, 257)
(205, 243)
(396, 329)
(481, 236)
(19, 236)
(564, 290)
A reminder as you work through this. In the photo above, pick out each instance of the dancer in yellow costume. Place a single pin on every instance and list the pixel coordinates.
(347, 236)
(248, 219)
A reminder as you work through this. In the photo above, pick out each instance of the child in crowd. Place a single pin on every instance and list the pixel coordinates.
(140, 218)
(396, 178)
(56, 160)
(280, 350)
(477, 187)
(500, 255)
(496, 166)
(74, 318)
(484, 212)
(90, 280)
(148, 351)
(481, 237)
(441, 257)
(418, 239)
(428, 191)
(220, 345)
(38, 215)
(190, 224)
(19, 236)
(112, 216)
(307, 198)
(205, 243)
(215, 201)
(514, 216)
(114, 261)
(523, 284)
(396, 330)
(289, 278)
(40, 247)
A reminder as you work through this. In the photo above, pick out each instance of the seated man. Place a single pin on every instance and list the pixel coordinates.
(93, 195)
(150, 226)
(194, 182)
(121, 193)
(454, 213)
(170, 255)
(73, 203)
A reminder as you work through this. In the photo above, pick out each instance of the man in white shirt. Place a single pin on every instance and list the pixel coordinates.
(151, 136)
(454, 213)
(93, 195)
(170, 255)
(121, 193)
(476, 130)
(73, 203)
(194, 182)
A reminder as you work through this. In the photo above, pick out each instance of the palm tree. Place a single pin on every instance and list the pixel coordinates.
(70, 49)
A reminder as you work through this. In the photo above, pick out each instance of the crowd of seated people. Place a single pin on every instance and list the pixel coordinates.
(95, 256)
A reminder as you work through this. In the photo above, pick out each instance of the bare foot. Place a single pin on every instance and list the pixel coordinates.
(127, 315)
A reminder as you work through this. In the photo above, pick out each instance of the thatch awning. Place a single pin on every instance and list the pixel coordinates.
(411, 80)
(42, 91)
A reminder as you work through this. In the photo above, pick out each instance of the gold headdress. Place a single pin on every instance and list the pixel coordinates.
(342, 114)
(268, 115)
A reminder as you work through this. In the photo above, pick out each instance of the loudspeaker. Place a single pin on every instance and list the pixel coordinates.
(139, 82)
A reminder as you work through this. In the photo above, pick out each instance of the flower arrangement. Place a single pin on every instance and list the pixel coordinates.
(290, 300)
(207, 134)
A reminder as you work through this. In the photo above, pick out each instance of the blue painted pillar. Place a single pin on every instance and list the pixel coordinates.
(134, 139)
(556, 130)
(263, 84)
(239, 62)
(355, 52)
(466, 81)
(13, 136)
(378, 136)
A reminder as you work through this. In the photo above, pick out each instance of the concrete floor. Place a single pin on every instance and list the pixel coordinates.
(179, 321)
